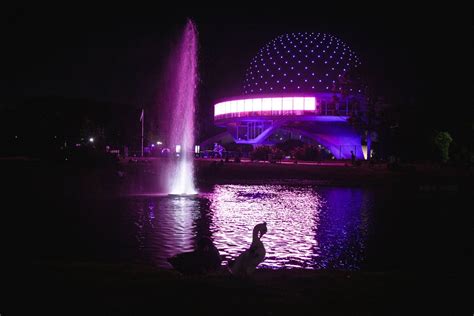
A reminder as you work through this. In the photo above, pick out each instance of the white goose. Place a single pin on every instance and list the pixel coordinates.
(248, 260)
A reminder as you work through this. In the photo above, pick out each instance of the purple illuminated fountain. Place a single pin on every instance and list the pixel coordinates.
(181, 82)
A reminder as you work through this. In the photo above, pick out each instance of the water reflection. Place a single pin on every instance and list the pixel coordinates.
(291, 214)
(308, 227)
(166, 226)
(344, 224)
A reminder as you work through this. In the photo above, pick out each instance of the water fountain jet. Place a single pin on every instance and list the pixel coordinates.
(182, 82)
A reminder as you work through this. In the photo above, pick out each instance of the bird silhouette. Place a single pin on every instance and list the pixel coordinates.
(205, 259)
(247, 261)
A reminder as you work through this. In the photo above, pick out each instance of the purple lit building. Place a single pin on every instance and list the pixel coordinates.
(297, 87)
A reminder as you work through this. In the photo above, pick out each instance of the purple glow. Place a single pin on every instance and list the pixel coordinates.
(239, 207)
(182, 81)
(247, 107)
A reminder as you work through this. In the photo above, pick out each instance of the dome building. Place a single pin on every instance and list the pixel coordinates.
(297, 87)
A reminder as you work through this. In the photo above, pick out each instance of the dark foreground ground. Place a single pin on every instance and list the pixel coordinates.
(91, 288)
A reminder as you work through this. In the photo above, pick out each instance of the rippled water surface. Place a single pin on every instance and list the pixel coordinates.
(308, 226)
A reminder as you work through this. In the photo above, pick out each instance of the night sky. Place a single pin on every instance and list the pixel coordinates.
(417, 56)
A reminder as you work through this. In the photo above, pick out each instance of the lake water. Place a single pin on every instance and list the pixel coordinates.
(309, 226)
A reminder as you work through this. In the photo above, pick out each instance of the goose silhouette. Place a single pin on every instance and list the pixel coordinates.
(204, 259)
(247, 261)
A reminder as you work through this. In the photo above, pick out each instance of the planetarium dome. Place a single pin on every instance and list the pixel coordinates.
(301, 86)
(300, 63)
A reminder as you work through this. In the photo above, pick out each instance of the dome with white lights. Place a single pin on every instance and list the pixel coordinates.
(300, 63)
(300, 86)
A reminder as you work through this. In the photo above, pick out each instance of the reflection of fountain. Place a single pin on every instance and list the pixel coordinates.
(165, 227)
(181, 99)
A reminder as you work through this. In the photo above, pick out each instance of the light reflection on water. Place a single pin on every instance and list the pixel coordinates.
(308, 227)
(291, 213)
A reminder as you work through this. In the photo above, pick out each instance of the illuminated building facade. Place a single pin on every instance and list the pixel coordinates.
(297, 87)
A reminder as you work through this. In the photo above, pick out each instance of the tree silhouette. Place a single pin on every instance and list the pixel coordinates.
(442, 140)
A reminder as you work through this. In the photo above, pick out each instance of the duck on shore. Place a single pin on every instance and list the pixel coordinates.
(205, 259)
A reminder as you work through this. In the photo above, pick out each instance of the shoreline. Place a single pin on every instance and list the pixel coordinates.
(415, 177)
(78, 287)
(82, 181)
